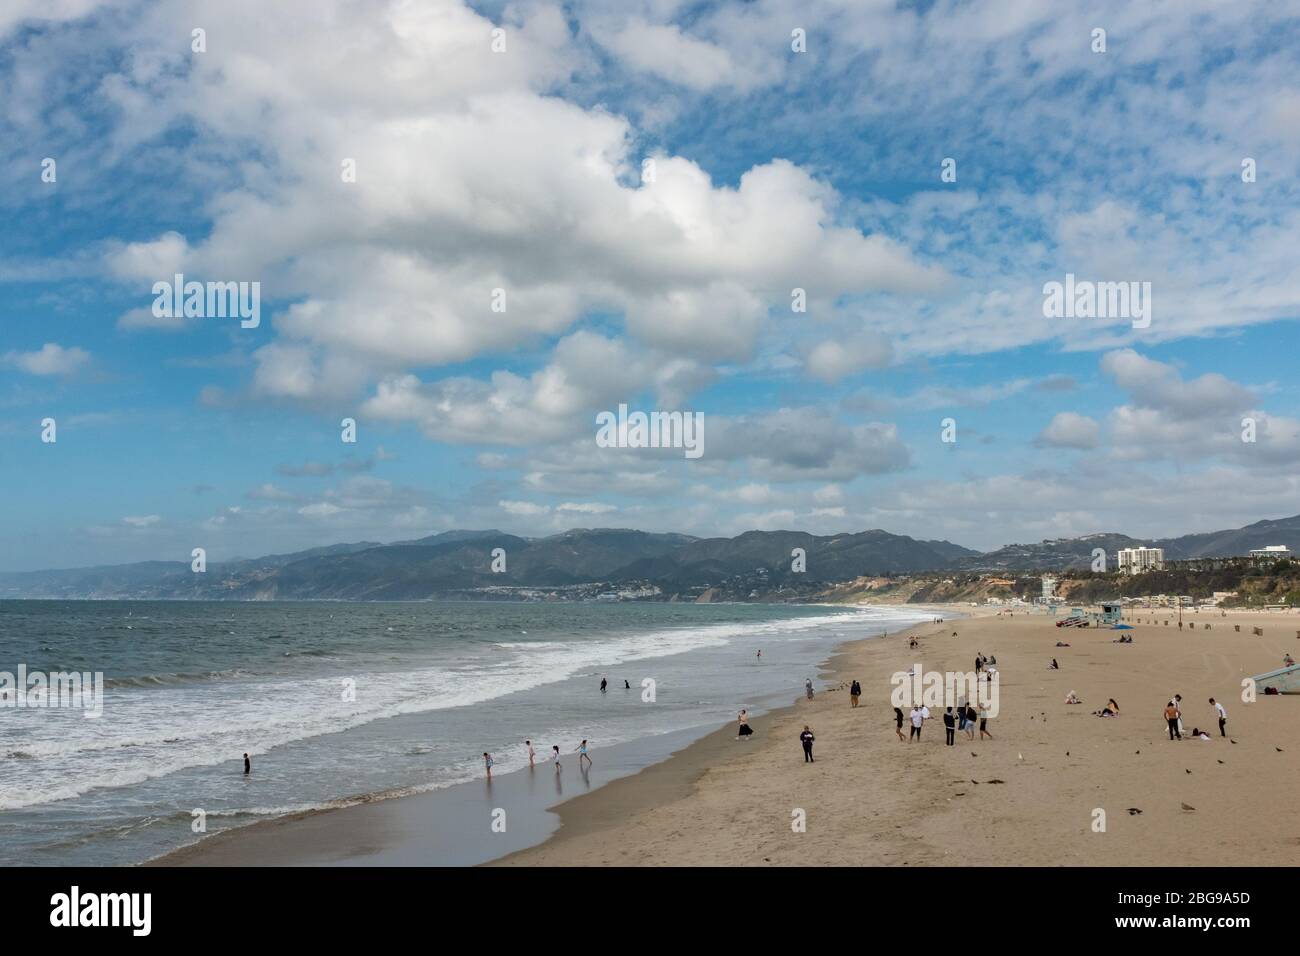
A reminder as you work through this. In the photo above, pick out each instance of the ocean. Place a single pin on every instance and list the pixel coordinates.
(336, 702)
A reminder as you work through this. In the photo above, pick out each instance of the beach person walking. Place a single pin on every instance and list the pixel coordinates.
(806, 738)
(532, 754)
(948, 733)
(808, 688)
(556, 756)
(626, 685)
(855, 691)
(1171, 716)
(487, 762)
(1178, 702)
(582, 753)
(898, 722)
(248, 766)
(744, 731)
(918, 718)
(984, 722)
(759, 655)
(1222, 714)
(971, 717)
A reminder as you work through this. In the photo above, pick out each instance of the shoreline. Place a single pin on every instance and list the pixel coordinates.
(443, 824)
(676, 777)
(1029, 796)
(1034, 795)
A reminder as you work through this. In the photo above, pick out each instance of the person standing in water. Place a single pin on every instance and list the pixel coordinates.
(532, 754)
(248, 766)
(759, 655)
(487, 763)
(556, 756)
(582, 753)
(626, 685)
(808, 688)
(806, 738)
(603, 684)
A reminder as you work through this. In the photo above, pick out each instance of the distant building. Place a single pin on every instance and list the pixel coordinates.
(1138, 560)
(1271, 551)
(1049, 588)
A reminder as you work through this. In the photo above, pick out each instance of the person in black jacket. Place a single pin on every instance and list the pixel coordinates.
(949, 732)
(806, 738)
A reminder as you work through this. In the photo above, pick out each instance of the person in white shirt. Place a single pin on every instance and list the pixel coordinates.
(532, 754)
(1223, 716)
(918, 718)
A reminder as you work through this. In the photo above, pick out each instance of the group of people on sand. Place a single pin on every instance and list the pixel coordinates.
(964, 718)
(1174, 718)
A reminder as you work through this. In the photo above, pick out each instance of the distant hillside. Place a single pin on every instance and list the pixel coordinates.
(461, 561)
(585, 562)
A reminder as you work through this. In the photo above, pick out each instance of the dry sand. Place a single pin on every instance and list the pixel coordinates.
(873, 800)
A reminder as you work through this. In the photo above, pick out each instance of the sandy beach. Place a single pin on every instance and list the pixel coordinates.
(1029, 796)
(1026, 797)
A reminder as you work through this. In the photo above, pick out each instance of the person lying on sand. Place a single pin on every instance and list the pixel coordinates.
(1071, 698)
(1062, 644)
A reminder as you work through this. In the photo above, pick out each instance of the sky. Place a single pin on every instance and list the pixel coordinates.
(828, 227)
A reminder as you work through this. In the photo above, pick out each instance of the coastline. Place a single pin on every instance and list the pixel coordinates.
(1029, 796)
(446, 826)
(677, 777)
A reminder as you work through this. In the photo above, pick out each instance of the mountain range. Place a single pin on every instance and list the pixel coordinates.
(587, 562)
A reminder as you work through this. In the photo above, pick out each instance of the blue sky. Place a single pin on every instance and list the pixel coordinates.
(522, 170)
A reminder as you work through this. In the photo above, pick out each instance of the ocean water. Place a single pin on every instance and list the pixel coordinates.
(338, 702)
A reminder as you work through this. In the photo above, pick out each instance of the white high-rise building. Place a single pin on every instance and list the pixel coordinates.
(1137, 560)
(1049, 588)
(1271, 551)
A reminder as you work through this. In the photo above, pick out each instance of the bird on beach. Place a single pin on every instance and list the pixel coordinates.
(1187, 806)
